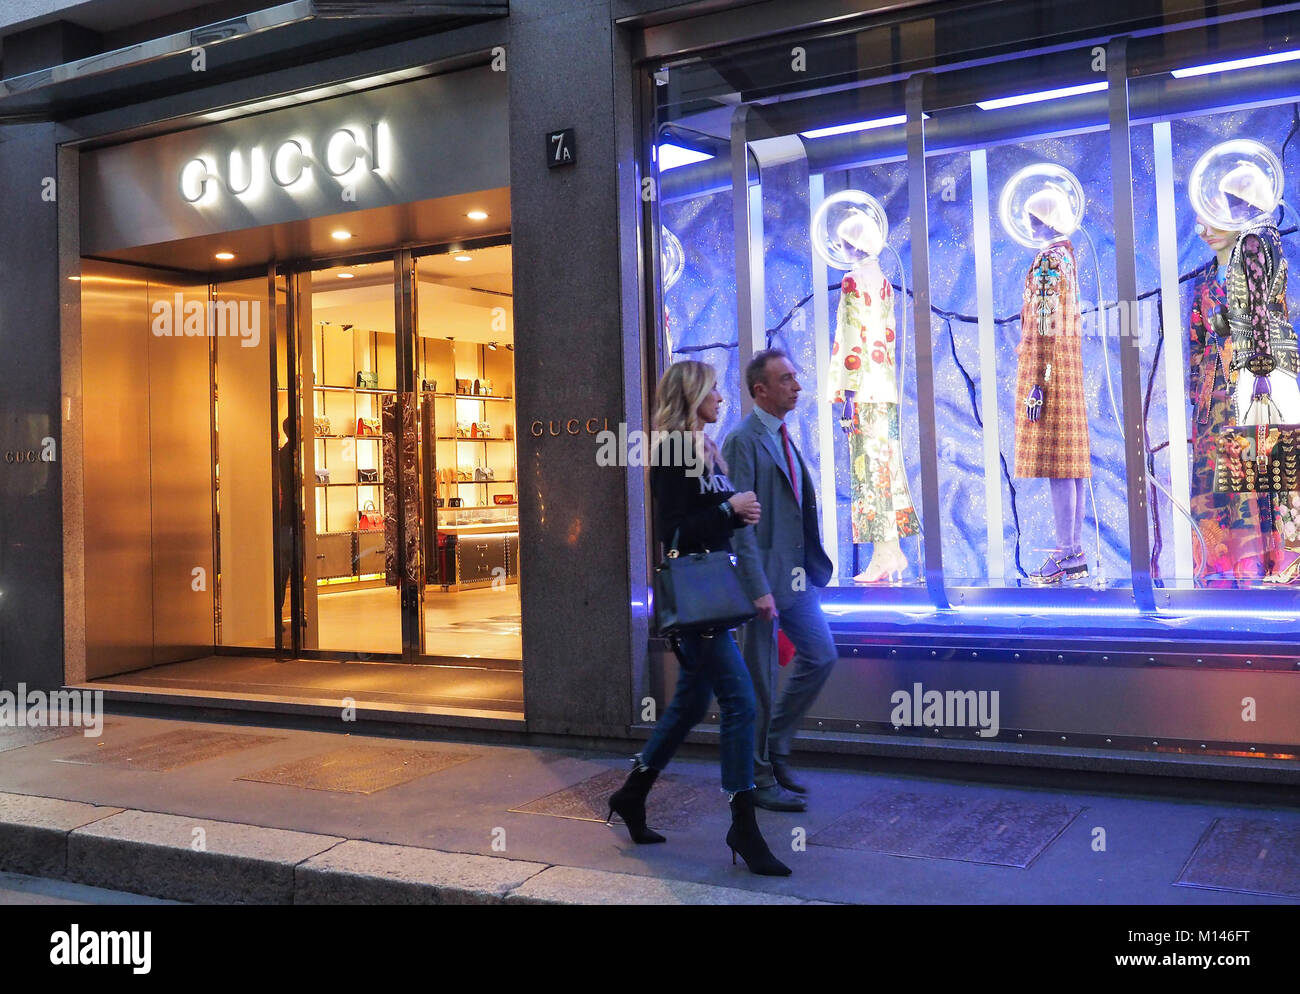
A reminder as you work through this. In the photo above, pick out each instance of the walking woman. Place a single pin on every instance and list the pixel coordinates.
(701, 508)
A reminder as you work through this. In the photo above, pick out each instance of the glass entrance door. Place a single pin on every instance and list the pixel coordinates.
(348, 350)
(407, 544)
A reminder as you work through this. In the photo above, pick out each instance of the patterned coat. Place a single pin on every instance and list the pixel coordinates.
(1051, 357)
(862, 358)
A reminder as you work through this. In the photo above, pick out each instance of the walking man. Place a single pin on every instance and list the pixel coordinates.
(782, 563)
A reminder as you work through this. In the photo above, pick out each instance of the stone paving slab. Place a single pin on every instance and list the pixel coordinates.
(573, 885)
(34, 832)
(358, 872)
(191, 859)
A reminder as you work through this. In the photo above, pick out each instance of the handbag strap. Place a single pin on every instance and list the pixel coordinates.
(671, 552)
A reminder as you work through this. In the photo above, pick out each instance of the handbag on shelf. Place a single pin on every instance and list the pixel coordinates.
(508, 432)
(464, 474)
(462, 429)
(367, 380)
(484, 474)
(429, 386)
(322, 474)
(484, 429)
(503, 499)
(320, 426)
(368, 427)
(463, 386)
(455, 502)
(370, 519)
(699, 592)
(483, 388)
(367, 476)
(1257, 459)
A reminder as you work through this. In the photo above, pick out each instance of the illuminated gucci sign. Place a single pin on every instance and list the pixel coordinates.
(346, 154)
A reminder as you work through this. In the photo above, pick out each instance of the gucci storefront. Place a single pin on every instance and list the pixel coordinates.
(313, 363)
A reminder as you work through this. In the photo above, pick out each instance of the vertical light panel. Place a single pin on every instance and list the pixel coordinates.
(1175, 358)
(979, 183)
(825, 413)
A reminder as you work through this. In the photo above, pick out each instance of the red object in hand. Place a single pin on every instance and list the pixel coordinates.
(784, 649)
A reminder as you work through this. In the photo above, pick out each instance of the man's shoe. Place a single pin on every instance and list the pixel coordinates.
(777, 798)
(781, 770)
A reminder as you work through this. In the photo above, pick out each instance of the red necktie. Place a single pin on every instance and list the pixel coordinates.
(789, 461)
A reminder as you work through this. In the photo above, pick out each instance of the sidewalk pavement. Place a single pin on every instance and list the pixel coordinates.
(225, 813)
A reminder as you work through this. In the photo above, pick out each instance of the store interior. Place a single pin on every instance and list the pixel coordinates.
(210, 571)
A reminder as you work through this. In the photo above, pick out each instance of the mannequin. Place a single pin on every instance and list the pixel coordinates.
(1229, 522)
(1262, 338)
(1052, 426)
(862, 378)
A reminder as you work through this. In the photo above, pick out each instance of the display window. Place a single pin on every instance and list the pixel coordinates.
(1043, 388)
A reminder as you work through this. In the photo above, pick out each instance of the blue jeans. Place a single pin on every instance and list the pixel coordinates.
(710, 665)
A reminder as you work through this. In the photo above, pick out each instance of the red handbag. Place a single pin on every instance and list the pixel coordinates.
(370, 520)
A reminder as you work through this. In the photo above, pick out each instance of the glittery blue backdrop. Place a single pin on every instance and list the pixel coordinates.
(702, 316)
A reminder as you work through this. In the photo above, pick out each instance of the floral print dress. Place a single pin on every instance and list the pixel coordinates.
(862, 362)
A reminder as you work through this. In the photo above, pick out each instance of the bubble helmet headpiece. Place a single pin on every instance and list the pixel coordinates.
(672, 258)
(1236, 184)
(1046, 192)
(848, 227)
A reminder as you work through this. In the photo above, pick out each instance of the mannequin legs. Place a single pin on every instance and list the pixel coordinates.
(1067, 510)
(1068, 560)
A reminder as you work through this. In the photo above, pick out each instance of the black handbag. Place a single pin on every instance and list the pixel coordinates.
(699, 592)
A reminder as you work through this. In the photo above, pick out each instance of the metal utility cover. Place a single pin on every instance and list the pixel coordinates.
(1246, 855)
(930, 826)
(169, 750)
(361, 769)
(672, 803)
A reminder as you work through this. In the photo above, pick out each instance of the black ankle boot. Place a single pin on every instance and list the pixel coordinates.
(629, 802)
(744, 837)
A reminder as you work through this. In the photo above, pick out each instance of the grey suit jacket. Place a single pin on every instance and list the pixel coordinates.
(787, 537)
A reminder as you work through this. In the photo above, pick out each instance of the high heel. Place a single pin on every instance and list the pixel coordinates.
(628, 802)
(744, 837)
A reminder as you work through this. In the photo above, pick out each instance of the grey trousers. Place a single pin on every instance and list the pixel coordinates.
(776, 722)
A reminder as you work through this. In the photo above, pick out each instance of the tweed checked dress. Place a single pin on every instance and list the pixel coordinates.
(1056, 445)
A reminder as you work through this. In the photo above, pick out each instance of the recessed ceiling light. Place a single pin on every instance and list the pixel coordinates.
(224, 256)
(464, 258)
(347, 276)
(340, 235)
(75, 278)
(477, 215)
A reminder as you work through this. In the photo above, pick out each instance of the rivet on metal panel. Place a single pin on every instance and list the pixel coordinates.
(1059, 656)
(1017, 655)
(1108, 741)
(1151, 659)
(1105, 659)
(1202, 745)
(1154, 743)
(1062, 738)
(933, 653)
(1248, 662)
(974, 655)
(1020, 735)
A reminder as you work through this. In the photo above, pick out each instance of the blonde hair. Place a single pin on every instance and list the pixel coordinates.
(684, 387)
